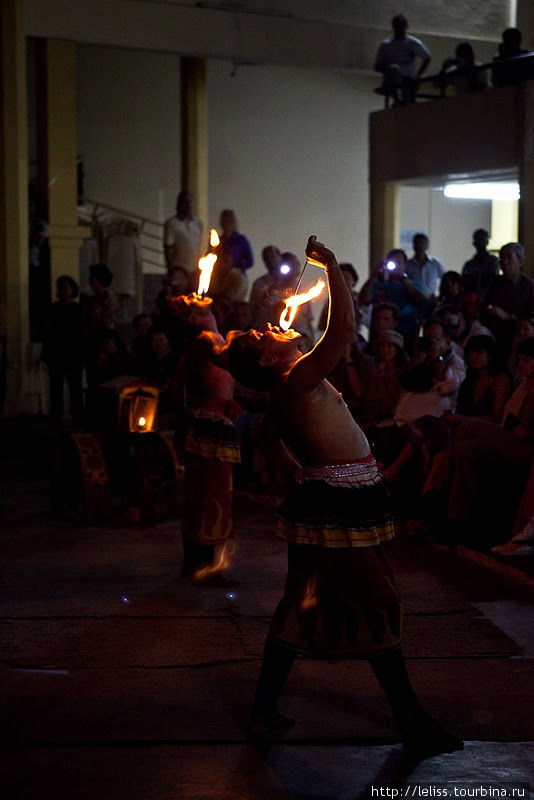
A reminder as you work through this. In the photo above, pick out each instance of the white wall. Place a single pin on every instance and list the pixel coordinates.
(288, 152)
(129, 128)
(287, 146)
(448, 223)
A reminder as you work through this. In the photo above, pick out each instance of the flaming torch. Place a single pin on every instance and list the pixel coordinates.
(292, 303)
(206, 264)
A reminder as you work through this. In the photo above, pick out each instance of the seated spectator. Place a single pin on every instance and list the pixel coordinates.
(479, 271)
(226, 280)
(140, 344)
(485, 469)
(524, 329)
(239, 245)
(509, 296)
(422, 269)
(450, 291)
(241, 318)
(397, 59)
(388, 282)
(448, 367)
(508, 69)
(374, 381)
(384, 317)
(461, 72)
(162, 369)
(63, 350)
(351, 279)
(469, 316)
(486, 387)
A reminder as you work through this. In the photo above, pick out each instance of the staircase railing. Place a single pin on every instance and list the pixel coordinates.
(150, 230)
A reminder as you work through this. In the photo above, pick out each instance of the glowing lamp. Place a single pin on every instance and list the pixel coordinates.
(138, 405)
(391, 266)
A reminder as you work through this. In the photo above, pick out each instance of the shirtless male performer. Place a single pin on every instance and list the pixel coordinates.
(211, 445)
(339, 599)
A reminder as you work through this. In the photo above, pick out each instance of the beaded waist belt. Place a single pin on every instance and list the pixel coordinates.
(356, 473)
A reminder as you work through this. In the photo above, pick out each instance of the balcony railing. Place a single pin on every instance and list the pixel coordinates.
(523, 64)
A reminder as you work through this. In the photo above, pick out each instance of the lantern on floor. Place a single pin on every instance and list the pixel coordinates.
(138, 405)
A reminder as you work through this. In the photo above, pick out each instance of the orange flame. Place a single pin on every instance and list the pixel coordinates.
(214, 238)
(310, 598)
(222, 562)
(205, 265)
(292, 304)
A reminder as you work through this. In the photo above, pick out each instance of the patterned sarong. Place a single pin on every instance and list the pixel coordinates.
(340, 505)
(340, 599)
(211, 449)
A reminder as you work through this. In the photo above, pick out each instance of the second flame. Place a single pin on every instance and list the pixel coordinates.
(292, 304)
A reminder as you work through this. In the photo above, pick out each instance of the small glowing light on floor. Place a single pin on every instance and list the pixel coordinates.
(125, 599)
(231, 596)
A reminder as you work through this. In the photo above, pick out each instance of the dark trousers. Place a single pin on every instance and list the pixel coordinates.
(58, 373)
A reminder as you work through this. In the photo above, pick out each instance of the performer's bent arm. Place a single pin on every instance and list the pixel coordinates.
(340, 329)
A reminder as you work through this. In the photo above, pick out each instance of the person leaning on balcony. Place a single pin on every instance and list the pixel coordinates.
(461, 72)
(397, 59)
(183, 236)
(508, 68)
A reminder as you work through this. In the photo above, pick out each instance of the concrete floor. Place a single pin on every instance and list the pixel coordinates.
(121, 680)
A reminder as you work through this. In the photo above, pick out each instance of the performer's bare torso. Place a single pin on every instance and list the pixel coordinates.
(208, 386)
(317, 426)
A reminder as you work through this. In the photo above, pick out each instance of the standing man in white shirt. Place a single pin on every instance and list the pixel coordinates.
(183, 236)
(397, 60)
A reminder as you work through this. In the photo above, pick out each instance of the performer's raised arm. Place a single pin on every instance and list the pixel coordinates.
(340, 329)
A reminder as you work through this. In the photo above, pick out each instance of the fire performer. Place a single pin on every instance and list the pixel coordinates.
(339, 600)
(211, 446)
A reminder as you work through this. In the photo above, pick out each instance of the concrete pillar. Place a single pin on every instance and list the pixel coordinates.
(14, 322)
(526, 175)
(384, 219)
(195, 133)
(57, 152)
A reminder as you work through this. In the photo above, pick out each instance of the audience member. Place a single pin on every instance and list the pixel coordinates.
(226, 280)
(397, 58)
(374, 381)
(461, 72)
(183, 237)
(448, 367)
(384, 317)
(423, 269)
(241, 317)
(509, 296)
(450, 291)
(239, 245)
(140, 344)
(161, 368)
(261, 296)
(508, 68)
(486, 388)
(63, 351)
(479, 271)
(524, 329)
(470, 324)
(351, 279)
(389, 283)
(484, 471)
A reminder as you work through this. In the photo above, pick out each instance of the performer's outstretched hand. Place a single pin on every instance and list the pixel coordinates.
(318, 254)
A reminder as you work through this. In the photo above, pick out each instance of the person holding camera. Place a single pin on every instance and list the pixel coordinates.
(389, 283)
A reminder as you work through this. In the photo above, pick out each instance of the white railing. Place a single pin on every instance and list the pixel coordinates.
(150, 231)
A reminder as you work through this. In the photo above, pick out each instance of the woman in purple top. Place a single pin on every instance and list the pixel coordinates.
(238, 244)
